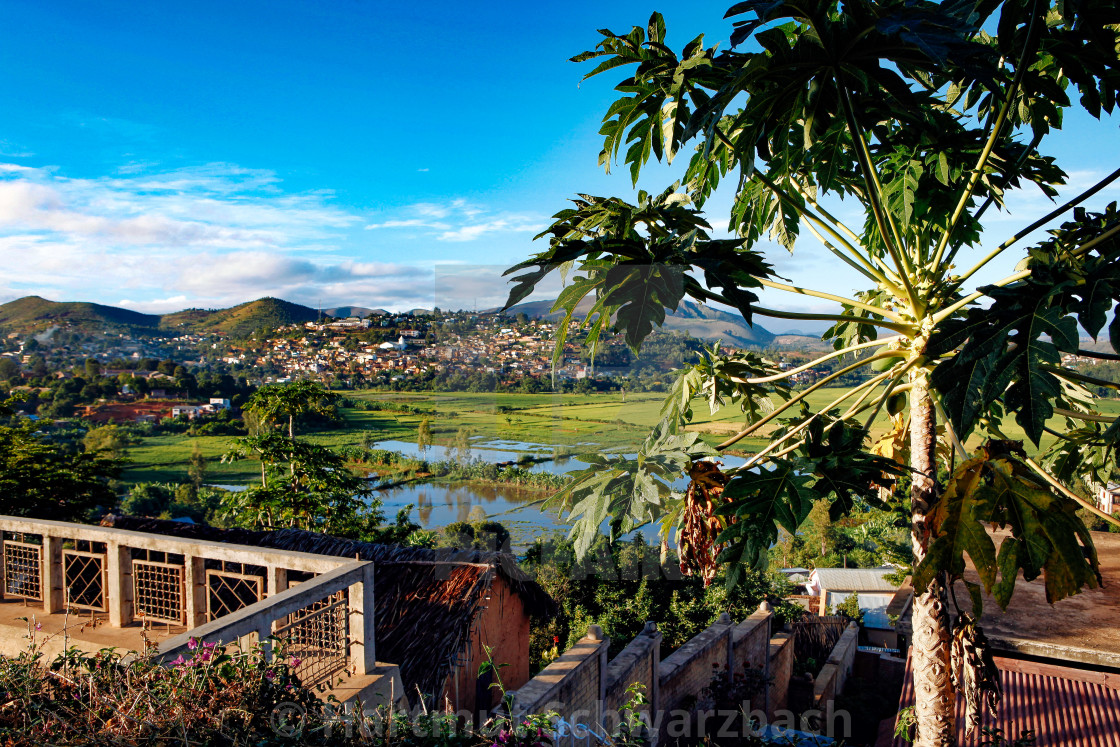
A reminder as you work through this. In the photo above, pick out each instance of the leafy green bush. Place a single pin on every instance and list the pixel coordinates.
(621, 586)
(849, 608)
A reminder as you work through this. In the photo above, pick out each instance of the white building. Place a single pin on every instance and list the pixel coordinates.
(834, 585)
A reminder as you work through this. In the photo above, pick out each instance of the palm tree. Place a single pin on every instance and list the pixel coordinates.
(926, 115)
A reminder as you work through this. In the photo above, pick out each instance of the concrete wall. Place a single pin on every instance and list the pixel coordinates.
(781, 669)
(689, 669)
(573, 685)
(750, 642)
(638, 663)
(569, 685)
(830, 681)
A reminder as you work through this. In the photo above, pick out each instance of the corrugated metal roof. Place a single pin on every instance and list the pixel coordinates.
(854, 579)
(1062, 706)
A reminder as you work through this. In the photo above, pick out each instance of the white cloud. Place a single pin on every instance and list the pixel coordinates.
(407, 223)
(217, 235)
(212, 235)
(472, 231)
(459, 220)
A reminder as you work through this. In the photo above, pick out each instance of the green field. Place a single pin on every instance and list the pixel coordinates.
(551, 419)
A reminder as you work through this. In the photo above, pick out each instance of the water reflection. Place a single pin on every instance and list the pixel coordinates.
(437, 505)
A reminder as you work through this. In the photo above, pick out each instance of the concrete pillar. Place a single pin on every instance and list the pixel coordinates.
(194, 581)
(595, 633)
(728, 635)
(655, 668)
(118, 563)
(276, 581)
(263, 634)
(363, 655)
(50, 572)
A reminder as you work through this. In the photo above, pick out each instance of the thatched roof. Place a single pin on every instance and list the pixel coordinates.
(425, 599)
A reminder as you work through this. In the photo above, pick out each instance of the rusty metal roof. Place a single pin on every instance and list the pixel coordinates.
(1062, 706)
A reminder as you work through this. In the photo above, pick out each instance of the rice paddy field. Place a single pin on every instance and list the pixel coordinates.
(580, 422)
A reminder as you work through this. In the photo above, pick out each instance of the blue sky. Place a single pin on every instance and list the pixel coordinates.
(159, 156)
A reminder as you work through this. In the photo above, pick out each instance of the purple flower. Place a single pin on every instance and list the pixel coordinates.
(203, 655)
(38, 626)
(269, 675)
(192, 643)
(210, 646)
(179, 662)
(294, 662)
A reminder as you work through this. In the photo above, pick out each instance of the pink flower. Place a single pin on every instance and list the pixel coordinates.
(179, 662)
(38, 626)
(192, 644)
(269, 675)
(294, 662)
(210, 646)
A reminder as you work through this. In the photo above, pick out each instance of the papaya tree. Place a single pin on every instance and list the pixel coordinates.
(303, 484)
(926, 117)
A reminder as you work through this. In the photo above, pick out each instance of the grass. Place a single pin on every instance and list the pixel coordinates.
(552, 419)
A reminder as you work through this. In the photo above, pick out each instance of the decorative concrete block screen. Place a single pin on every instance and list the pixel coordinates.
(325, 617)
(318, 637)
(84, 575)
(23, 574)
(231, 587)
(158, 591)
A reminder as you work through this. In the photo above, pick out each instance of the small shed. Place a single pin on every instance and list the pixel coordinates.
(875, 592)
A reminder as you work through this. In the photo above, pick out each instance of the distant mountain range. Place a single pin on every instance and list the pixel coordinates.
(696, 319)
(342, 312)
(32, 315)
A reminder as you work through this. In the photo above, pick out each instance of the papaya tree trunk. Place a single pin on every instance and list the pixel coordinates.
(929, 649)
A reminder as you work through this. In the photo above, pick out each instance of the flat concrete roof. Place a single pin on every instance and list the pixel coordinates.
(89, 632)
(1083, 628)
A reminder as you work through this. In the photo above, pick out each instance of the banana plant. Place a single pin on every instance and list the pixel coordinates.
(927, 116)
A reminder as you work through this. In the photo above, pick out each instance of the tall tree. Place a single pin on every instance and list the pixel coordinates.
(196, 467)
(284, 404)
(302, 484)
(926, 115)
(424, 435)
(40, 477)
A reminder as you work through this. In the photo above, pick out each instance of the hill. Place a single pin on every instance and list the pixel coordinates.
(696, 319)
(241, 320)
(32, 314)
